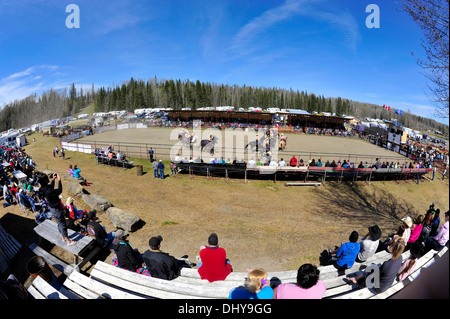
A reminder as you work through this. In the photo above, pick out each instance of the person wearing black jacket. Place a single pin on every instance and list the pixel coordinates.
(160, 264)
(127, 257)
(94, 229)
(48, 191)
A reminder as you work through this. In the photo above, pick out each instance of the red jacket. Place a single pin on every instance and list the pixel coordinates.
(214, 264)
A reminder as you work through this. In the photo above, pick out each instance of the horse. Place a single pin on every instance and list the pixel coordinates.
(208, 144)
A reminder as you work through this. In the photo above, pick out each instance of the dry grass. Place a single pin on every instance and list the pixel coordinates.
(260, 224)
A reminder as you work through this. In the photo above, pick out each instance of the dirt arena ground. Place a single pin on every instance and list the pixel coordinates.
(259, 223)
(303, 145)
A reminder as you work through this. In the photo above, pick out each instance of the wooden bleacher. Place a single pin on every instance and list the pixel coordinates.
(109, 282)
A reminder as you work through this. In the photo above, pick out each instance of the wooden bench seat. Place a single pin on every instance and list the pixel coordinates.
(366, 293)
(189, 285)
(40, 289)
(83, 250)
(110, 282)
(9, 248)
(57, 263)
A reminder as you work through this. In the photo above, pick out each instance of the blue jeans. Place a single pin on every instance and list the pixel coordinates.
(161, 173)
(58, 215)
(155, 172)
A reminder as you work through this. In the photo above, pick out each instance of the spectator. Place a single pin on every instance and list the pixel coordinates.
(150, 154)
(214, 264)
(256, 287)
(161, 169)
(155, 169)
(319, 163)
(301, 163)
(70, 170)
(308, 285)
(440, 240)
(173, 168)
(369, 243)
(282, 162)
(160, 264)
(346, 254)
(416, 229)
(52, 196)
(293, 161)
(388, 270)
(12, 289)
(7, 195)
(409, 264)
(94, 229)
(74, 213)
(407, 222)
(77, 175)
(426, 227)
(125, 256)
(435, 222)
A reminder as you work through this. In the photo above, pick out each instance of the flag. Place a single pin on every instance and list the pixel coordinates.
(399, 112)
(387, 107)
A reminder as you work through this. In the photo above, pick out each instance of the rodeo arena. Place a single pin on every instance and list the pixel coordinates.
(215, 144)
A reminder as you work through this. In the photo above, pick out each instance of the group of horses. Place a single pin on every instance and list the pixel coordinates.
(269, 141)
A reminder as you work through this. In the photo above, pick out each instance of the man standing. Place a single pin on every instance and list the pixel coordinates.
(150, 154)
(51, 194)
(155, 169)
(161, 169)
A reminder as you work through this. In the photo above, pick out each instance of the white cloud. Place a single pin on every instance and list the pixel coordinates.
(21, 84)
(244, 42)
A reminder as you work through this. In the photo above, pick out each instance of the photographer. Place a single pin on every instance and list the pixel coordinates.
(52, 196)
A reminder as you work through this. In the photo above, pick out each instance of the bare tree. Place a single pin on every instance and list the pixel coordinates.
(432, 16)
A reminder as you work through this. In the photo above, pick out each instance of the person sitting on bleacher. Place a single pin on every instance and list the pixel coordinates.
(441, 239)
(74, 213)
(409, 265)
(97, 231)
(388, 270)
(7, 195)
(345, 255)
(161, 264)
(125, 256)
(256, 287)
(214, 264)
(369, 243)
(308, 285)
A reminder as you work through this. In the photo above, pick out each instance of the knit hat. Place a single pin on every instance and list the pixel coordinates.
(120, 233)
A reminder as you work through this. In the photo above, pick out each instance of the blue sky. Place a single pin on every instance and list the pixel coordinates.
(319, 46)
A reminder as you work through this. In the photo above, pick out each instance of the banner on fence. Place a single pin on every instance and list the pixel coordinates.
(75, 147)
(122, 126)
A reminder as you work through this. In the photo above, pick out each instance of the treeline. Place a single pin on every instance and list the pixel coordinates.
(178, 94)
(50, 105)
